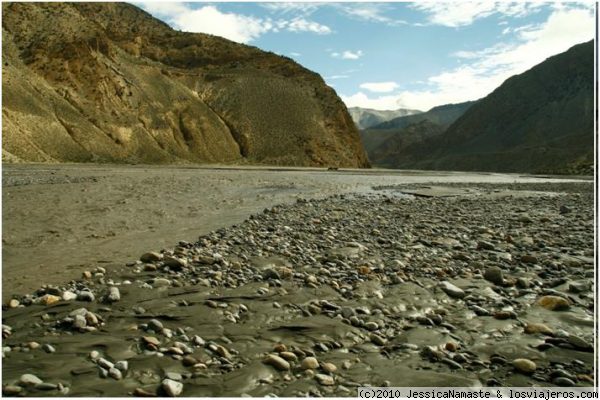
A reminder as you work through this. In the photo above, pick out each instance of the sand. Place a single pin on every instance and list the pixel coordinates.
(61, 220)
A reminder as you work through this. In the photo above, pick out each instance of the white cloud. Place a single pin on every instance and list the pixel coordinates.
(455, 14)
(371, 12)
(237, 27)
(347, 54)
(304, 9)
(209, 19)
(163, 9)
(489, 68)
(334, 77)
(303, 25)
(379, 87)
(294, 54)
(360, 99)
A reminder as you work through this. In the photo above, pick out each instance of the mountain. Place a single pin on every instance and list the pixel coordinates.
(366, 117)
(399, 132)
(440, 115)
(106, 82)
(541, 121)
(384, 145)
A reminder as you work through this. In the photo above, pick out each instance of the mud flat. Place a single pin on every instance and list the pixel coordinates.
(489, 284)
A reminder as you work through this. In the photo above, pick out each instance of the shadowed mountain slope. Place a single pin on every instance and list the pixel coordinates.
(539, 121)
(106, 82)
(385, 141)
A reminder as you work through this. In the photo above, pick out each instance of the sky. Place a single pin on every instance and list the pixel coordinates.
(397, 55)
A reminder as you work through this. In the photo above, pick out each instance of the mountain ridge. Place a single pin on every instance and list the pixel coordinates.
(107, 82)
(367, 117)
(539, 121)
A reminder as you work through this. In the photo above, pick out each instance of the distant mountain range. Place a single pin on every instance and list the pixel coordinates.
(541, 121)
(384, 141)
(366, 117)
(440, 115)
(107, 82)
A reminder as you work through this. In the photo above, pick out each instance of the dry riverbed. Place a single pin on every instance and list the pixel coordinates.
(344, 281)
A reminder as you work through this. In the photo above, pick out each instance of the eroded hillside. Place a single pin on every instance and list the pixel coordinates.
(106, 82)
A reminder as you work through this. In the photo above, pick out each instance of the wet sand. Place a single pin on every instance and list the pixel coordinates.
(469, 285)
(60, 220)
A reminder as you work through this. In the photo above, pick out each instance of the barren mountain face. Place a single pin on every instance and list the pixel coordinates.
(106, 82)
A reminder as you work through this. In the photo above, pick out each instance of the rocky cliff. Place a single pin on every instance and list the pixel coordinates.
(106, 82)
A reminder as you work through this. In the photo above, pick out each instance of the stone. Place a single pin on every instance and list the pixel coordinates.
(91, 319)
(150, 257)
(222, 351)
(172, 388)
(140, 392)
(198, 341)
(580, 343)
(270, 273)
(79, 322)
(175, 376)
(29, 380)
(113, 294)
(328, 367)
(371, 326)
(175, 262)
(562, 381)
(13, 303)
(104, 363)
(280, 347)
(161, 282)
(155, 325)
(533, 328)
(483, 245)
(494, 275)
(325, 380)
(11, 390)
(529, 259)
(451, 363)
(565, 209)
(309, 363)
(48, 299)
(46, 386)
(524, 365)
(68, 295)
(277, 362)
(376, 339)
(188, 361)
(554, 303)
(504, 314)
(85, 295)
(48, 348)
(580, 287)
(122, 366)
(452, 290)
(115, 374)
(80, 311)
(452, 346)
(288, 355)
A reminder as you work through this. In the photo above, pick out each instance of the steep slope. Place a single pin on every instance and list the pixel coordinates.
(366, 117)
(538, 121)
(400, 132)
(106, 82)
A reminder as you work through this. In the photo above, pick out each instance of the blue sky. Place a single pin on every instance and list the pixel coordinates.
(397, 55)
